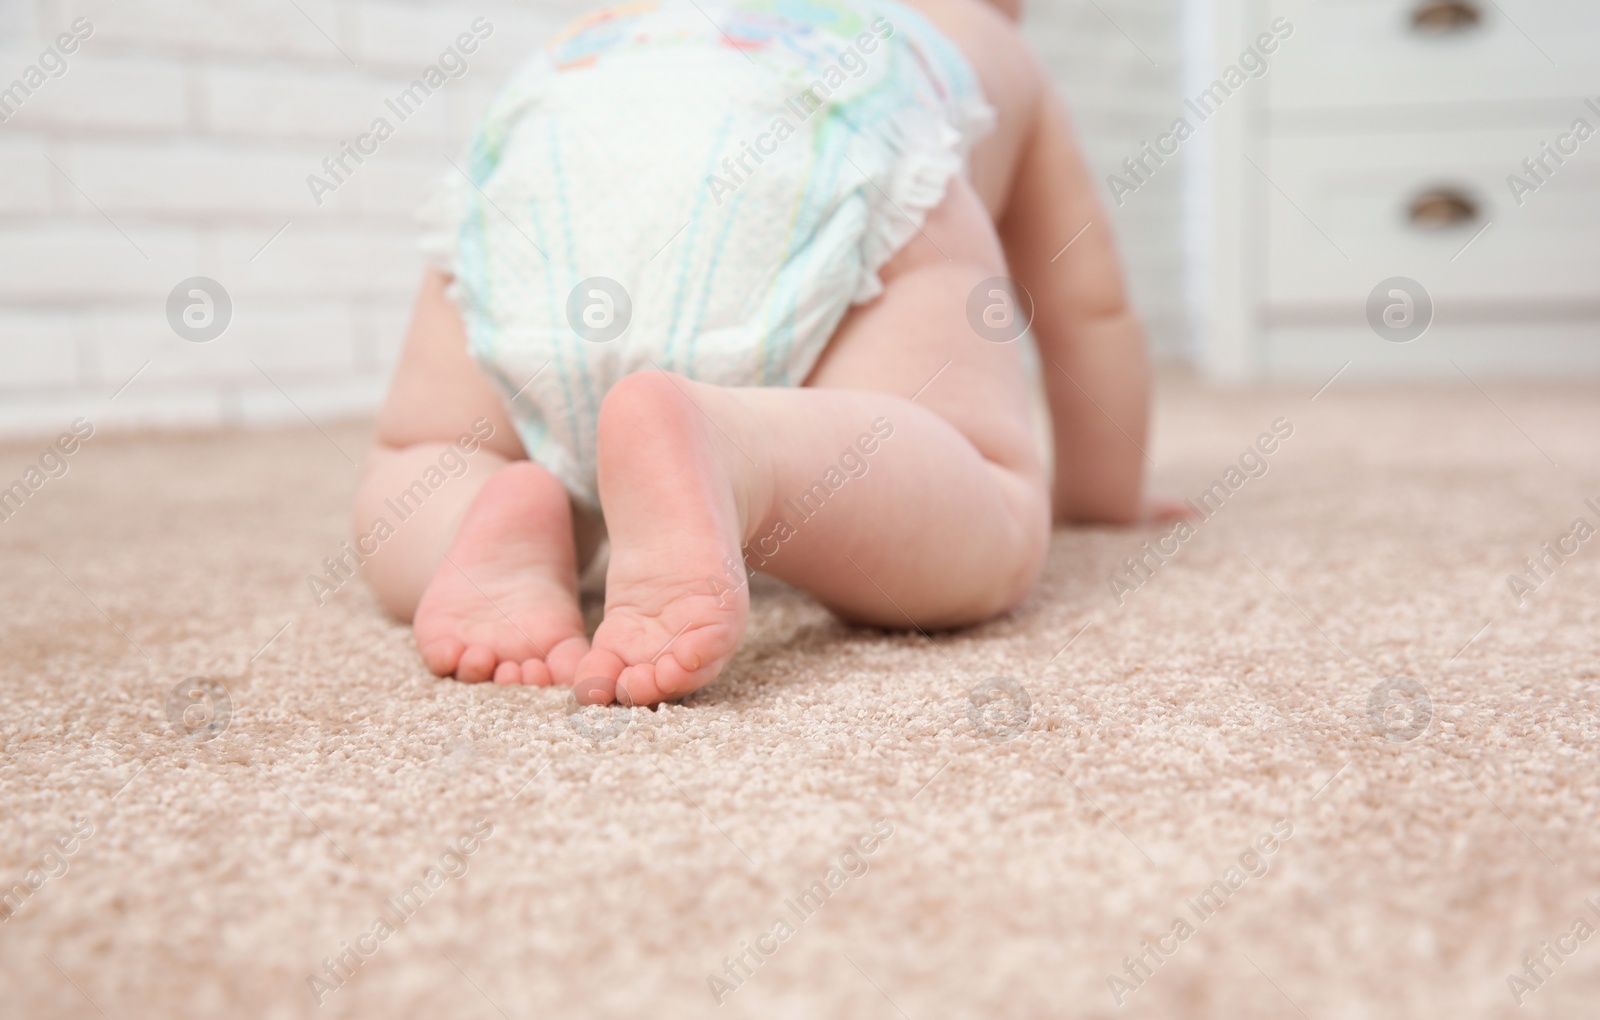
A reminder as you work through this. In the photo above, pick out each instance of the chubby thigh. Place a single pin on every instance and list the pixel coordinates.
(915, 340)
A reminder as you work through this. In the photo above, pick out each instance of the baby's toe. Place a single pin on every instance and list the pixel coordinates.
(477, 664)
(640, 685)
(508, 672)
(597, 677)
(695, 659)
(535, 673)
(442, 655)
(564, 658)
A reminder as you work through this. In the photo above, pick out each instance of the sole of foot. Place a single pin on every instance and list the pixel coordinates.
(503, 605)
(674, 615)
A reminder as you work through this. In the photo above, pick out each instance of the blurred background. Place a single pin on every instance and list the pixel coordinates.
(1328, 146)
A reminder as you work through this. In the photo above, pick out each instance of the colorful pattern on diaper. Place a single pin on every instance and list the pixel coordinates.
(786, 36)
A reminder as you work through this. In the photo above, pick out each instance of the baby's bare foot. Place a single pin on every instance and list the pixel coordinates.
(504, 604)
(674, 616)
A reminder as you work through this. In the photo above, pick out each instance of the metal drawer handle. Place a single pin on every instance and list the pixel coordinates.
(1441, 17)
(1442, 209)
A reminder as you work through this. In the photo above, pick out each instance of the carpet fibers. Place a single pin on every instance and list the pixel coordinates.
(1319, 758)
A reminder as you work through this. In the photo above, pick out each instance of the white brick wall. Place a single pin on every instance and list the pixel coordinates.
(183, 130)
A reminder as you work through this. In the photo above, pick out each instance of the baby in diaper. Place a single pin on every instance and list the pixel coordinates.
(741, 285)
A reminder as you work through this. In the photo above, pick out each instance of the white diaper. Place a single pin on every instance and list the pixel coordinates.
(701, 187)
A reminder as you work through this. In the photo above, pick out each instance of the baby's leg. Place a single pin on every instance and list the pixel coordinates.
(487, 566)
(1059, 245)
(946, 525)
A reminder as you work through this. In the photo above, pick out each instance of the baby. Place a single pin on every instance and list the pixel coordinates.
(729, 283)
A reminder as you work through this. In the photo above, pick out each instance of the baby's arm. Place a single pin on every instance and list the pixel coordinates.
(1059, 244)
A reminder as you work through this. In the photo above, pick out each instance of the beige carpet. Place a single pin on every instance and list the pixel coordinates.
(612, 878)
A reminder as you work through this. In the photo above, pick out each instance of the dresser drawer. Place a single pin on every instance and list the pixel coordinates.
(1361, 191)
(1369, 53)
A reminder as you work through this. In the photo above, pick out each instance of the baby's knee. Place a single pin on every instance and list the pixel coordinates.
(1029, 499)
(1020, 552)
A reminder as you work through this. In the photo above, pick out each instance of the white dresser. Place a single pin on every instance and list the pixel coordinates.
(1383, 141)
